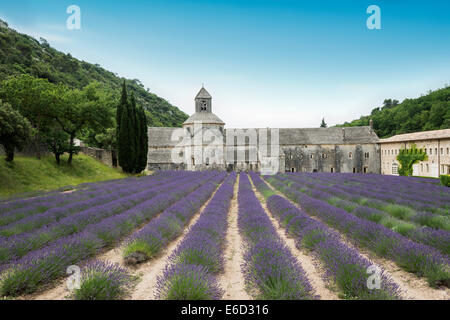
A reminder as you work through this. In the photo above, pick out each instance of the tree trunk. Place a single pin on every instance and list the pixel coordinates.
(9, 150)
(58, 161)
(72, 138)
(37, 145)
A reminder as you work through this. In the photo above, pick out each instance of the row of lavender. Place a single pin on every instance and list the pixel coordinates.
(391, 216)
(105, 281)
(270, 269)
(149, 241)
(52, 199)
(392, 190)
(410, 256)
(14, 211)
(66, 223)
(40, 267)
(191, 273)
(343, 265)
(26, 221)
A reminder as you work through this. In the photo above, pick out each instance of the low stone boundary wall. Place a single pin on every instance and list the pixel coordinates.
(108, 157)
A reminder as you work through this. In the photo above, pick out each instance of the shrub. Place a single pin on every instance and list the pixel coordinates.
(445, 180)
(102, 281)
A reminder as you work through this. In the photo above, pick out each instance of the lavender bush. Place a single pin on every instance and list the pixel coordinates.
(413, 257)
(188, 282)
(16, 246)
(439, 239)
(147, 242)
(38, 267)
(102, 281)
(202, 247)
(342, 264)
(269, 266)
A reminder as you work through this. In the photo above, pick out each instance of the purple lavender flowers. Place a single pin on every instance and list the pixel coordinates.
(193, 266)
(270, 270)
(411, 256)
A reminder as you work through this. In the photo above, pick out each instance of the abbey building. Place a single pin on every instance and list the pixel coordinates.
(204, 143)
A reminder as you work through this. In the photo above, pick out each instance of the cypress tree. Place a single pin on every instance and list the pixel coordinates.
(143, 140)
(134, 135)
(120, 107)
(127, 147)
(121, 138)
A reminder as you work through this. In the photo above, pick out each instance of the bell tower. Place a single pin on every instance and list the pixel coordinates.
(203, 101)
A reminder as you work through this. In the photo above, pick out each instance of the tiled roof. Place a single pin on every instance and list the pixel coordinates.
(425, 135)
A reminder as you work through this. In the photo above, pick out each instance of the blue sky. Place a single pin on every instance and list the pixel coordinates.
(266, 63)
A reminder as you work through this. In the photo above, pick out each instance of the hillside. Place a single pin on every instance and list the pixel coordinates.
(428, 112)
(20, 53)
(27, 174)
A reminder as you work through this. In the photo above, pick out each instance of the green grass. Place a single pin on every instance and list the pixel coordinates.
(26, 174)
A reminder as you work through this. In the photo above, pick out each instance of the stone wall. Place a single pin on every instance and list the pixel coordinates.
(28, 151)
(108, 157)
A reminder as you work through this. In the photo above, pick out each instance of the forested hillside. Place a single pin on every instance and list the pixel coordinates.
(428, 112)
(20, 53)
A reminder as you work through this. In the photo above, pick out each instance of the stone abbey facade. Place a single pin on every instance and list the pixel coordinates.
(203, 143)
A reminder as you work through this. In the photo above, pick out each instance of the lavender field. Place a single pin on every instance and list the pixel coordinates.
(213, 235)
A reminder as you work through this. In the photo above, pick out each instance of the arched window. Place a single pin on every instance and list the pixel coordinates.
(394, 168)
(350, 155)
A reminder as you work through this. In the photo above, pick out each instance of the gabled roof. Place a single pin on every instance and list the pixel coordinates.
(203, 94)
(204, 117)
(333, 135)
(425, 135)
(324, 136)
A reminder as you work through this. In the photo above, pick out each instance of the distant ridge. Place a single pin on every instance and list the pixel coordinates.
(21, 53)
(428, 112)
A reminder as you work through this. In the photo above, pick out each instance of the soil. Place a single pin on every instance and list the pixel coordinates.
(232, 279)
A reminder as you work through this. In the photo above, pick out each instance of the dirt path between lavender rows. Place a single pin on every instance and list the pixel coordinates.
(313, 270)
(411, 286)
(147, 272)
(232, 280)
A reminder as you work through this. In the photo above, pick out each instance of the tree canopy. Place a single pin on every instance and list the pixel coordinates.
(15, 130)
(428, 112)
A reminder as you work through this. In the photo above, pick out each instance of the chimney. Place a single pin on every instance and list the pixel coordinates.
(371, 125)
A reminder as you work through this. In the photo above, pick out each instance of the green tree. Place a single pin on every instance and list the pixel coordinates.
(76, 110)
(408, 157)
(134, 131)
(126, 140)
(143, 141)
(31, 97)
(323, 124)
(121, 106)
(57, 142)
(15, 130)
(107, 139)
